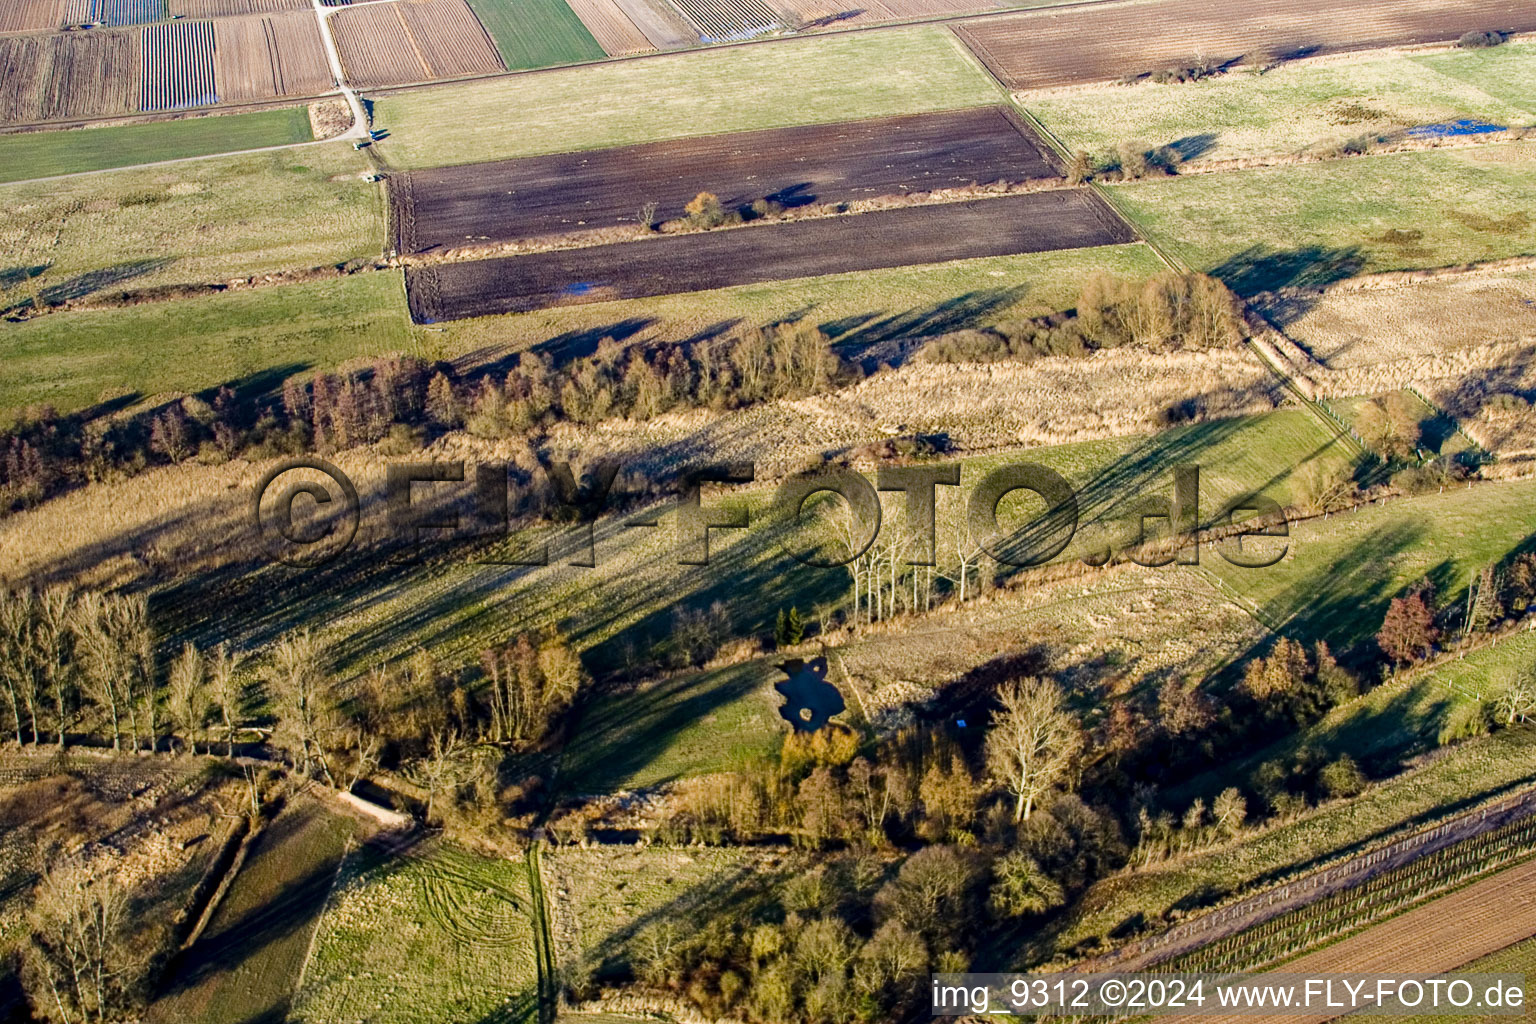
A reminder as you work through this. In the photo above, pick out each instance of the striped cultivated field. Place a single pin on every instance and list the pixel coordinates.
(68, 75)
(412, 41)
(614, 30)
(31, 15)
(115, 12)
(270, 57)
(178, 66)
(720, 20)
(1437, 937)
(230, 8)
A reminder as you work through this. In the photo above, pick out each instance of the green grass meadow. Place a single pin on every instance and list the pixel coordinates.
(687, 725)
(39, 154)
(1341, 573)
(804, 81)
(1507, 72)
(1299, 107)
(71, 360)
(437, 934)
(536, 33)
(1311, 224)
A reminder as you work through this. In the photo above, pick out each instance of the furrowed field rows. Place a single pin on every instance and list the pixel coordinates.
(1032, 222)
(1110, 41)
(269, 57)
(68, 75)
(662, 24)
(31, 15)
(451, 40)
(729, 19)
(178, 66)
(115, 12)
(227, 8)
(614, 30)
(790, 166)
(412, 41)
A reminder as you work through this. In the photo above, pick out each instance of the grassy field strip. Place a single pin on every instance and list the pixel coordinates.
(1312, 224)
(255, 337)
(432, 932)
(72, 359)
(1306, 106)
(203, 221)
(377, 612)
(536, 33)
(1506, 72)
(248, 960)
(44, 154)
(804, 81)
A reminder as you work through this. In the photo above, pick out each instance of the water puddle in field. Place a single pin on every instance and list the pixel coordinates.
(1451, 129)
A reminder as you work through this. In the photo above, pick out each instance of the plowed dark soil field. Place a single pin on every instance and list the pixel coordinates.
(1108, 41)
(1031, 222)
(547, 195)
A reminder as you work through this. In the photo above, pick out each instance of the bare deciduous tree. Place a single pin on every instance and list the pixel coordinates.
(190, 702)
(1033, 741)
(302, 693)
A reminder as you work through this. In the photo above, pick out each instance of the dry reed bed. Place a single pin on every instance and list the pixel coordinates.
(1458, 337)
(979, 407)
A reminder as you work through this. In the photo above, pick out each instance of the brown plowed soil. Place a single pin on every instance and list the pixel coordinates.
(551, 195)
(31, 15)
(412, 41)
(1037, 49)
(613, 29)
(1031, 222)
(68, 75)
(270, 57)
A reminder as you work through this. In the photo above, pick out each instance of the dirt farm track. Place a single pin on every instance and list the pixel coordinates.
(1104, 42)
(538, 196)
(1439, 936)
(1031, 222)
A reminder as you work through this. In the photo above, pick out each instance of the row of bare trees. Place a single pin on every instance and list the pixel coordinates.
(82, 659)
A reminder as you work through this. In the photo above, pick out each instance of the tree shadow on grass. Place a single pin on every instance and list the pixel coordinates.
(876, 339)
(81, 285)
(1260, 268)
(1191, 147)
(621, 734)
(10, 277)
(522, 1008)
